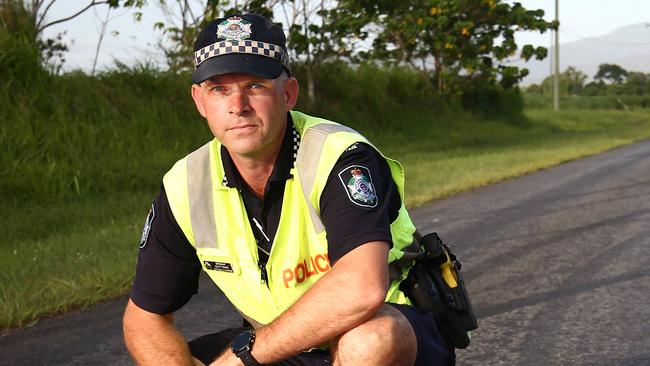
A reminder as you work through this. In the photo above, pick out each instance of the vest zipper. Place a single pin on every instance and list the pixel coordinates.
(265, 275)
(262, 263)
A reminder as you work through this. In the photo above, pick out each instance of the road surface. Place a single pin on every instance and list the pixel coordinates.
(557, 263)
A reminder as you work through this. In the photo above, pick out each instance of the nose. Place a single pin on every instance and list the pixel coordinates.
(238, 103)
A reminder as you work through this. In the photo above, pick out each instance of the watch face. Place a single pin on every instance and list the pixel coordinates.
(243, 341)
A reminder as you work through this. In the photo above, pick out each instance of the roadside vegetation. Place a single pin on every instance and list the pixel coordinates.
(612, 87)
(83, 156)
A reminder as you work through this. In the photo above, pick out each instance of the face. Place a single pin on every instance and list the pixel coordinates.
(246, 113)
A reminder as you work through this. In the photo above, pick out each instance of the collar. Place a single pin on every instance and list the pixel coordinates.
(285, 161)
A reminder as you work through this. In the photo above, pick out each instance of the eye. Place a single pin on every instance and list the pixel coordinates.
(217, 88)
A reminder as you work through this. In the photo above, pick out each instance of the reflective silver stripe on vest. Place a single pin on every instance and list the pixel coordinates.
(199, 186)
(311, 146)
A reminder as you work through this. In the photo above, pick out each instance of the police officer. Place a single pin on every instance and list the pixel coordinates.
(300, 222)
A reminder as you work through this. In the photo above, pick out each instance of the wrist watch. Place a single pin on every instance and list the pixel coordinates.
(242, 346)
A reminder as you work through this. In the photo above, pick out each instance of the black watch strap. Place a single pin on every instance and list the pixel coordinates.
(242, 346)
(247, 358)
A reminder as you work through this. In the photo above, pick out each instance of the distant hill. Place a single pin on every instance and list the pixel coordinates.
(628, 47)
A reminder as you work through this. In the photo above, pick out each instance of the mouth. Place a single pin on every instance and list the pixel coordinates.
(242, 127)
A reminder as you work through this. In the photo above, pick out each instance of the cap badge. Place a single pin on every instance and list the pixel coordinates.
(234, 29)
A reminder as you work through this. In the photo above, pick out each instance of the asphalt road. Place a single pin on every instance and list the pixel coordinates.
(557, 263)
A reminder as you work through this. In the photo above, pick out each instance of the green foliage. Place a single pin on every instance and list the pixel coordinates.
(488, 100)
(589, 102)
(594, 88)
(467, 39)
(183, 29)
(31, 18)
(20, 58)
(368, 96)
(59, 256)
(611, 72)
(572, 82)
(76, 136)
(637, 83)
(619, 83)
(323, 32)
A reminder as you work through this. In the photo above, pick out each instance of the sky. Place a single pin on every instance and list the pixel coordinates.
(131, 42)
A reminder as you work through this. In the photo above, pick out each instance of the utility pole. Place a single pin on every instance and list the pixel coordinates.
(556, 58)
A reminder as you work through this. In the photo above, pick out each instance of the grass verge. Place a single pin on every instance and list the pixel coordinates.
(57, 257)
(466, 154)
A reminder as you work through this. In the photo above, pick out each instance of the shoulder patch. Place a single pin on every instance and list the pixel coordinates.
(147, 226)
(357, 181)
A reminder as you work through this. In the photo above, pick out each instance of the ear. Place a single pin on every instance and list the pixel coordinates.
(291, 89)
(197, 95)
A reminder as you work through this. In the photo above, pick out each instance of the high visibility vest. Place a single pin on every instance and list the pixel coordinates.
(214, 220)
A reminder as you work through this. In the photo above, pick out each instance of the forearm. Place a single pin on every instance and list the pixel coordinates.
(152, 339)
(344, 298)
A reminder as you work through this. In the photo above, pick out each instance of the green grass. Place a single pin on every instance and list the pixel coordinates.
(65, 256)
(466, 153)
(77, 137)
(622, 102)
(83, 158)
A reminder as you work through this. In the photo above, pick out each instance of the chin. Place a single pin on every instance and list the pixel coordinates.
(242, 149)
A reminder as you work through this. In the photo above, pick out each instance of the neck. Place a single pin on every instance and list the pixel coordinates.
(255, 172)
(256, 169)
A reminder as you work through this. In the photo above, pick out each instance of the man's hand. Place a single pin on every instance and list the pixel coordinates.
(345, 297)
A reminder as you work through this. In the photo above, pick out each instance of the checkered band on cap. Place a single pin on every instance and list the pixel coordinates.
(246, 46)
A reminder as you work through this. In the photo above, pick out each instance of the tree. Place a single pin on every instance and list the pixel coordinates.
(611, 72)
(637, 83)
(572, 82)
(20, 59)
(102, 33)
(594, 88)
(466, 40)
(319, 32)
(535, 89)
(575, 80)
(184, 19)
(37, 12)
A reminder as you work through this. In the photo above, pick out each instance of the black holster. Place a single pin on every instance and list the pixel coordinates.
(435, 283)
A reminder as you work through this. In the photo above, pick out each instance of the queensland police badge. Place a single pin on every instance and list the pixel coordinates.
(234, 29)
(358, 183)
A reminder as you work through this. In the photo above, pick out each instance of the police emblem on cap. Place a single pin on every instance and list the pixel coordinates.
(358, 184)
(234, 29)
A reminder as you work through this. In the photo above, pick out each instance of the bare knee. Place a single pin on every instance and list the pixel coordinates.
(385, 339)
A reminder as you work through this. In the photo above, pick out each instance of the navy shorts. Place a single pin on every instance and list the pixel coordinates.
(432, 349)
